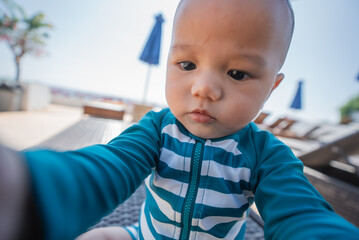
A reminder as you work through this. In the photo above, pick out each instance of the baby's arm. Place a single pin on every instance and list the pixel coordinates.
(18, 217)
(75, 189)
(289, 205)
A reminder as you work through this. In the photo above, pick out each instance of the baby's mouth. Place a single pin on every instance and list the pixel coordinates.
(200, 116)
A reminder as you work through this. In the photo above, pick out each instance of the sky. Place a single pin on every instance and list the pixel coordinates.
(95, 45)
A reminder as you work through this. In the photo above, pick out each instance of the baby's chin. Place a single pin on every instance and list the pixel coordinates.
(212, 130)
(206, 132)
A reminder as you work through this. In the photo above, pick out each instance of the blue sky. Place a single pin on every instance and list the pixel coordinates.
(95, 46)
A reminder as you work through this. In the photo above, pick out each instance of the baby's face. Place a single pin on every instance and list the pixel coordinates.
(223, 64)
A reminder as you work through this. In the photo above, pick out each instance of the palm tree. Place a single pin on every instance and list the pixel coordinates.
(21, 33)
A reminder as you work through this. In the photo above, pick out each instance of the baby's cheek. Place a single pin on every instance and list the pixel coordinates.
(244, 114)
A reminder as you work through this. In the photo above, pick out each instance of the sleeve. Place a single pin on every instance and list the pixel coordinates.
(289, 205)
(74, 189)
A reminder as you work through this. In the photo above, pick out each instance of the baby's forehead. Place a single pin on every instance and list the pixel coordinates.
(266, 18)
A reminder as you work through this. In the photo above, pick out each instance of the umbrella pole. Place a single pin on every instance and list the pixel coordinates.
(146, 84)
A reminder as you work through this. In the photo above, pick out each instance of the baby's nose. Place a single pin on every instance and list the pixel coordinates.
(207, 86)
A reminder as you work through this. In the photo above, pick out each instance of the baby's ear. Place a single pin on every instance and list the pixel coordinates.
(278, 80)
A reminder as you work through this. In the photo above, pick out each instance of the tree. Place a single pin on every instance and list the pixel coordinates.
(21, 33)
(347, 109)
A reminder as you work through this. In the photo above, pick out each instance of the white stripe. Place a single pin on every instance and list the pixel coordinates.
(132, 230)
(220, 200)
(175, 161)
(163, 205)
(204, 196)
(177, 232)
(173, 131)
(180, 189)
(232, 234)
(211, 221)
(228, 145)
(218, 170)
(165, 229)
(146, 232)
(171, 185)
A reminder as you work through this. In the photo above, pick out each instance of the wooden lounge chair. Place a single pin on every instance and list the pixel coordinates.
(328, 151)
(280, 127)
(139, 110)
(343, 197)
(260, 118)
(104, 110)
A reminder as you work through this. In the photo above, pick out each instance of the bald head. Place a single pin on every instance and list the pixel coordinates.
(276, 15)
(289, 19)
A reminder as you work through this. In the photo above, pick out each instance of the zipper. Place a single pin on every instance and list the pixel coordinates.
(187, 211)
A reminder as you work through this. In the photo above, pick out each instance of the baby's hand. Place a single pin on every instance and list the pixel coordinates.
(13, 193)
(106, 233)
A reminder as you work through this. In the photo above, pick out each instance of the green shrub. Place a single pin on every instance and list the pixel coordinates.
(351, 106)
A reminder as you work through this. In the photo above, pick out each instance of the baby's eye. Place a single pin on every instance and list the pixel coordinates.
(187, 66)
(237, 75)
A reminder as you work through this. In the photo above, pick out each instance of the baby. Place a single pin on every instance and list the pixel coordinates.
(203, 161)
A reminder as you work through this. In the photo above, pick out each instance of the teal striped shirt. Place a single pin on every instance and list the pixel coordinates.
(222, 191)
(196, 188)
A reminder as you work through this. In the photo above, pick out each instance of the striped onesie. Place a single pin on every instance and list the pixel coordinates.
(199, 188)
(196, 188)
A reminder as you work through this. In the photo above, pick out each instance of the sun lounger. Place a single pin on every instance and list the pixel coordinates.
(104, 110)
(260, 118)
(343, 197)
(329, 151)
(87, 131)
(318, 145)
(139, 110)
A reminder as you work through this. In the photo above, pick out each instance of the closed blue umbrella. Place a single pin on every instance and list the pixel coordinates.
(151, 51)
(297, 101)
